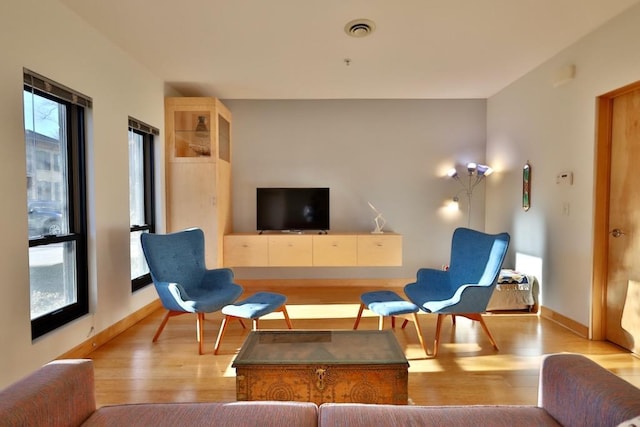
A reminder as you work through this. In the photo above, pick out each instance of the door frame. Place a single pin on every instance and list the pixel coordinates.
(602, 172)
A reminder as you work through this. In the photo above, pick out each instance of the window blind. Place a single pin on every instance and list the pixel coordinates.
(36, 81)
(143, 127)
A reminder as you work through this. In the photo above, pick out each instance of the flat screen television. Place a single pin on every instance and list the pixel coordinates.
(292, 209)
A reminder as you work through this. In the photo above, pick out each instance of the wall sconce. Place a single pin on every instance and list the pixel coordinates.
(453, 204)
(475, 175)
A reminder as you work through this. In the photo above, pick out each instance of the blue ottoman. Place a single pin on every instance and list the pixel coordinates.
(253, 307)
(389, 303)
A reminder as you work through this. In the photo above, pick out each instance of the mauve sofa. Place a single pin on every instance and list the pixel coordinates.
(573, 391)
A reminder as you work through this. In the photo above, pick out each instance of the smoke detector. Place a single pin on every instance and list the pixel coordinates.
(359, 27)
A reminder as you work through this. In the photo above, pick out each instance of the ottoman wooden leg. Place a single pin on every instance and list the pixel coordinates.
(223, 328)
(362, 306)
(287, 319)
(252, 308)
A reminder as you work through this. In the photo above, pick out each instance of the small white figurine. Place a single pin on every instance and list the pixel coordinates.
(379, 220)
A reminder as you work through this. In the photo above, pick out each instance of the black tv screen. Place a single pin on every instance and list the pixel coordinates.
(293, 209)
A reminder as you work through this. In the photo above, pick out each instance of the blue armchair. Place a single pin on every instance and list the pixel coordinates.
(466, 287)
(184, 284)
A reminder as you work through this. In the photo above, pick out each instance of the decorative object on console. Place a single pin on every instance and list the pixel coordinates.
(476, 174)
(379, 220)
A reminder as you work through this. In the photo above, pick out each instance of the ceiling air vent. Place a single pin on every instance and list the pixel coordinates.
(359, 27)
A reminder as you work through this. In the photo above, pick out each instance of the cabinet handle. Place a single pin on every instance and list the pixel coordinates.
(320, 373)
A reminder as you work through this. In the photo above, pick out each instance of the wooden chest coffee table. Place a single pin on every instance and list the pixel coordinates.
(322, 366)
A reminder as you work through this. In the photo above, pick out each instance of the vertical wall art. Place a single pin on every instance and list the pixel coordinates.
(526, 186)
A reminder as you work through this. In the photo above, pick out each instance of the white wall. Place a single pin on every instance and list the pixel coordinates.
(393, 153)
(45, 37)
(554, 128)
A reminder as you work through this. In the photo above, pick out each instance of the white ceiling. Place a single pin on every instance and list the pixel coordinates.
(295, 49)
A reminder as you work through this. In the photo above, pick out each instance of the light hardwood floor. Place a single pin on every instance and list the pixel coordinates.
(130, 368)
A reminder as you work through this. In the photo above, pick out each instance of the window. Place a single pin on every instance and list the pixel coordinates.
(141, 197)
(54, 119)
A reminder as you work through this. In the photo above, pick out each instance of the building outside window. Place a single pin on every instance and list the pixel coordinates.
(54, 118)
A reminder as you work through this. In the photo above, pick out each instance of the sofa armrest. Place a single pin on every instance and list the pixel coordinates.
(60, 393)
(578, 392)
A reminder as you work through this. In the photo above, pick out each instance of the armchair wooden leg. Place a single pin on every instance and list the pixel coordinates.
(478, 317)
(200, 327)
(473, 316)
(164, 322)
(162, 325)
(436, 342)
(381, 323)
(355, 326)
(419, 331)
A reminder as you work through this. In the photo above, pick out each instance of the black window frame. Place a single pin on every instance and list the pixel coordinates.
(77, 210)
(147, 132)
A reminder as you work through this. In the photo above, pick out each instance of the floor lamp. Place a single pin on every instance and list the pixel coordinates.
(475, 175)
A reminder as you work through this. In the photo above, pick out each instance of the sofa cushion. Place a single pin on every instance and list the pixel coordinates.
(60, 394)
(597, 396)
(356, 414)
(246, 414)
